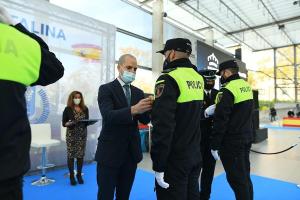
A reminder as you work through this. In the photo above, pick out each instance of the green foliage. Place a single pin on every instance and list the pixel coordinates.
(265, 105)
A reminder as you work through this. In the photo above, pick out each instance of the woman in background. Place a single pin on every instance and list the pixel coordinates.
(76, 133)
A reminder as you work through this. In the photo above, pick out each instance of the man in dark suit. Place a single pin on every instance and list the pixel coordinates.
(119, 147)
(206, 124)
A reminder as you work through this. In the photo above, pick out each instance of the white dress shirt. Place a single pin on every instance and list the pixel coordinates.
(122, 84)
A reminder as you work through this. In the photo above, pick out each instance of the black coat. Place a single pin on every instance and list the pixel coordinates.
(232, 122)
(68, 114)
(176, 126)
(119, 137)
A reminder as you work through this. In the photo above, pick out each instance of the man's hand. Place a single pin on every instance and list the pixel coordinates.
(209, 111)
(215, 154)
(159, 176)
(5, 18)
(142, 106)
(151, 97)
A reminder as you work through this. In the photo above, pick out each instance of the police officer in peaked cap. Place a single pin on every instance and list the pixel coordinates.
(233, 129)
(209, 163)
(176, 114)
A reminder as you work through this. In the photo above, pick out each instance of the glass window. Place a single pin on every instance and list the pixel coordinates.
(285, 56)
(144, 81)
(258, 60)
(176, 12)
(142, 50)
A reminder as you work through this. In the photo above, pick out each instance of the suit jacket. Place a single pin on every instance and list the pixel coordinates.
(207, 123)
(119, 137)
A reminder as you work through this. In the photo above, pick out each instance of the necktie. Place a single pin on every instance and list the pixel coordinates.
(127, 93)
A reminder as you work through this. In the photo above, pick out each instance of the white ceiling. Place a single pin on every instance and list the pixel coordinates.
(255, 23)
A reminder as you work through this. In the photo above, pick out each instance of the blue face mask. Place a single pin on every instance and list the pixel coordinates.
(128, 77)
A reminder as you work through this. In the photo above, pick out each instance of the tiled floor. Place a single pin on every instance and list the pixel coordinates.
(285, 166)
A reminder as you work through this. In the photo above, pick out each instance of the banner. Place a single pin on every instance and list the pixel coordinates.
(209, 57)
(86, 48)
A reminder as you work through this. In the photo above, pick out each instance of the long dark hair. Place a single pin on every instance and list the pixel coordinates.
(70, 102)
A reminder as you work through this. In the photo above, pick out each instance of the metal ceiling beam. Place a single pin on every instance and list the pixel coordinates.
(235, 38)
(263, 38)
(216, 26)
(181, 1)
(275, 20)
(145, 1)
(257, 50)
(264, 25)
(233, 46)
(266, 41)
(203, 29)
(120, 30)
(136, 6)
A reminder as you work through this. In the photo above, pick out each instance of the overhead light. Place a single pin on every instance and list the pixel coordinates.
(296, 2)
(281, 26)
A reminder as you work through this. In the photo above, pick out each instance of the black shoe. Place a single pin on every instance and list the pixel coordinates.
(79, 179)
(72, 180)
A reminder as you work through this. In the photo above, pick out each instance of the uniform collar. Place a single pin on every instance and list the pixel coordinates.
(182, 62)
(232, 77)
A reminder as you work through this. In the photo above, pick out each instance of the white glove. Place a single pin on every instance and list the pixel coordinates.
(159, 176)
(5, 17)
(215, 154)
(209, 111)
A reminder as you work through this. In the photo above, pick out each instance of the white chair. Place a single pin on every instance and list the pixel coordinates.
(41, 138)
(63, 132)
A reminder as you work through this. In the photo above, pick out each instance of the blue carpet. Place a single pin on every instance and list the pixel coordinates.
(264, 188)
(280, 127)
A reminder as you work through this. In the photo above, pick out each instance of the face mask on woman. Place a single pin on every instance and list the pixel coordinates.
(76, 101)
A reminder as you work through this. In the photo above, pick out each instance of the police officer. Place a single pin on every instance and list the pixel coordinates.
(25, 60)
(232, 130)
(209, 163)
(176, 133)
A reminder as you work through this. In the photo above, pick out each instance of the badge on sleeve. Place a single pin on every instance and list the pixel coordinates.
(159, 89)
(219, 97)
